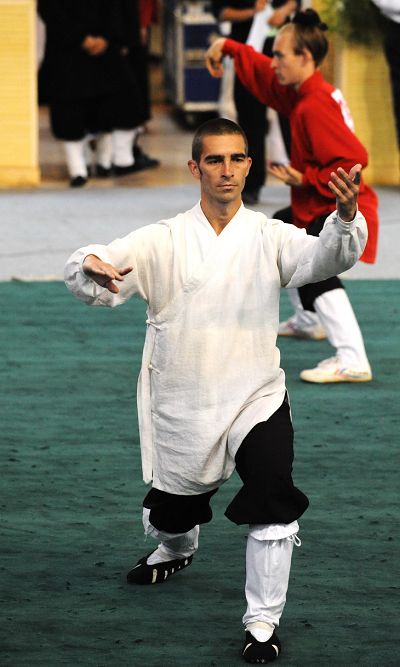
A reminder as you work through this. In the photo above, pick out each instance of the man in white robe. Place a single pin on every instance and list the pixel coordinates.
(211, 394)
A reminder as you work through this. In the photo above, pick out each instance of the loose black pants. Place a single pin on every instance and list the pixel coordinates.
(264, 463)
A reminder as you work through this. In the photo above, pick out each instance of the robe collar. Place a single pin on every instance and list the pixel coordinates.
(200, 216)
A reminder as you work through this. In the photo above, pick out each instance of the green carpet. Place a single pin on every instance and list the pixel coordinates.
(72, 492)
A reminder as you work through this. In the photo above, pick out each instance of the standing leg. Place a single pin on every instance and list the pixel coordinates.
(270, 503)
(68, 124)
(268, 560)
(104, 149)
(350, 363)
(76, 163)
(123, 141)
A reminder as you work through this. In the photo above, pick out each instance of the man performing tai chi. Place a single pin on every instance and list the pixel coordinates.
(211, 394)
(322, 140)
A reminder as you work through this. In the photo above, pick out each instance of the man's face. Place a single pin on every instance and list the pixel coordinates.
(291, 69)
(222, 169)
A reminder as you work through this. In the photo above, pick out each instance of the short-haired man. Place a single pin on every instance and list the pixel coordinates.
(211, 394)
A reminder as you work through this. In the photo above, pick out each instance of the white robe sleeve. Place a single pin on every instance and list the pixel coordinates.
(138, 250)
(304, 259)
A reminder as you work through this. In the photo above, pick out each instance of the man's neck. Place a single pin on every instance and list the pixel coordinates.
(219, 215)
(305, 78)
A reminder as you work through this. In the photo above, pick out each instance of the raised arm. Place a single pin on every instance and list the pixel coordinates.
(306, 259)
(254, 71)
(108, 275)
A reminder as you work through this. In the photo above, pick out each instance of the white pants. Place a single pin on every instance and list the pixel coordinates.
(268, 558)
(333, 311)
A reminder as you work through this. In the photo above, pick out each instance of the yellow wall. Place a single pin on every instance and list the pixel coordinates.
(364, 80)
(363, 77)
(18, 108)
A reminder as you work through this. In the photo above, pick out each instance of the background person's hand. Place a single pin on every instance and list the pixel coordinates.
(286, 173)
(104, 274)
(94, 46)
(214, 57)
(346, 186)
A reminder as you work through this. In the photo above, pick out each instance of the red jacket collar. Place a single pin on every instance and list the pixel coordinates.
(312, 83)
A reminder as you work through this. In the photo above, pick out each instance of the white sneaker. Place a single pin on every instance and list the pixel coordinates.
(330, 370)
(288, 328)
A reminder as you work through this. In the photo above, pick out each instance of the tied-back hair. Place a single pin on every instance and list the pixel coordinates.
(308, 31)
(215, 127)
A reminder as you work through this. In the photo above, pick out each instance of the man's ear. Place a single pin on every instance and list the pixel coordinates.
(307, 56)
(249, 163)
(194, 169)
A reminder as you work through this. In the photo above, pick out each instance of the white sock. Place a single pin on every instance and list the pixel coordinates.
(173, 545)
(123, 147)
(163, 554)
(75, 158)
(104, 149)
(261, 631)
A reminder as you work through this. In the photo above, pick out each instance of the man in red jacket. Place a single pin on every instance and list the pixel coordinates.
(322, 140)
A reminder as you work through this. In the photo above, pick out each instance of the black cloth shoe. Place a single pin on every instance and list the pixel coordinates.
(143, 161)
(123, 171)
(157, 573)
(250, 197)
(103, 172)
(257, 652)
(78, 181)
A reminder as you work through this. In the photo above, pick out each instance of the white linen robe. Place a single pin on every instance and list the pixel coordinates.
(210, 368)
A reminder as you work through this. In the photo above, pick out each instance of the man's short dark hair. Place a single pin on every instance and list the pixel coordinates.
(215, 127)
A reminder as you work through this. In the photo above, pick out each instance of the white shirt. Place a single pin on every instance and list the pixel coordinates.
(389, 8)
(211, 368)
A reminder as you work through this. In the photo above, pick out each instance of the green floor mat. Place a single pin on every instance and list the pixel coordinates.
(72, 492)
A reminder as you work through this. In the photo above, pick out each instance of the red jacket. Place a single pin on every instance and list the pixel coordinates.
(321, 139)
(148, 12)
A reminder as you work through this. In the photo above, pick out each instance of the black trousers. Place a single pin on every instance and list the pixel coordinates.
(72, 120)
(251, 116)
(308, 293)
(264, 463)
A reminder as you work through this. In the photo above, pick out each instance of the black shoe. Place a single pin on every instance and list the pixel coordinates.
(157, 573)
(250, 197)
(103, 172)
(78, 181)
(123, 171)
(143, 161)
(257, 652)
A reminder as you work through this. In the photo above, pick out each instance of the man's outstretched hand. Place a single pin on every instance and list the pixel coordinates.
(104, 274)
(346, 188)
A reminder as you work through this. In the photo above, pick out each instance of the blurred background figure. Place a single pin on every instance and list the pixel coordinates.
(390, 10)
(138, 17)
(251, 114)
(89, 86)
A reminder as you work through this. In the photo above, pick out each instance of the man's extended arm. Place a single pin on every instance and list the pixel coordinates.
(306, 259)
(254, 71)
